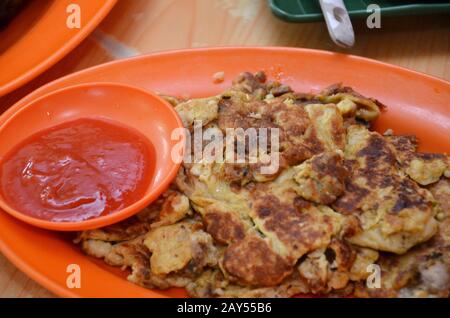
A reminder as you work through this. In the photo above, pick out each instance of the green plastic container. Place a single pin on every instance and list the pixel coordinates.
(309, 10)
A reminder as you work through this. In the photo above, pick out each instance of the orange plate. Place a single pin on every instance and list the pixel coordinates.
(38, 38)
(417, 104)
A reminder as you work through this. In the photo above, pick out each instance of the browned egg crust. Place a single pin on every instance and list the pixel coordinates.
(343, 198)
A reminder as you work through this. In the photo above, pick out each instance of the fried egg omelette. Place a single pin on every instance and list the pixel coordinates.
(343, 198)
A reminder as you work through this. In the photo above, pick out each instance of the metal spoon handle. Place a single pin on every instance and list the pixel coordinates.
(338, 22)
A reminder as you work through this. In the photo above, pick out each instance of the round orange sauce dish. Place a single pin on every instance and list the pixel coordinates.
(87, 156)
(77, 170)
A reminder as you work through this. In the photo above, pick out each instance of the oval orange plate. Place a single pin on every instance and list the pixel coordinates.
(417, 104)
(38, 37)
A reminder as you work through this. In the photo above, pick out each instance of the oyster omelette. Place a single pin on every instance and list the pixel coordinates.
(344, 198)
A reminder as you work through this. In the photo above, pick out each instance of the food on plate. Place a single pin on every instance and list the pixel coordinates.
(9, 9)
(77, 170)
(343, 202)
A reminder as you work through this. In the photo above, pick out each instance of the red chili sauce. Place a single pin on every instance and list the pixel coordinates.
(77, 170)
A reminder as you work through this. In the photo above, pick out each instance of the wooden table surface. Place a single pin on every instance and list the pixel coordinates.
(133, 27)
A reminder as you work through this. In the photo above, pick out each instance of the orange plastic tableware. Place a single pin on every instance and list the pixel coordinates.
(417, 104)
(38, 37)
(128, 106)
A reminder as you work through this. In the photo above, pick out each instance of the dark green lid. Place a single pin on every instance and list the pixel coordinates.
(309, 10)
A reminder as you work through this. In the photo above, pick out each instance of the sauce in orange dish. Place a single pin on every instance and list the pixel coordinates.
(76, 171)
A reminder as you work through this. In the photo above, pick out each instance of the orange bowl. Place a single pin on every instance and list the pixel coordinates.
(153, 117)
